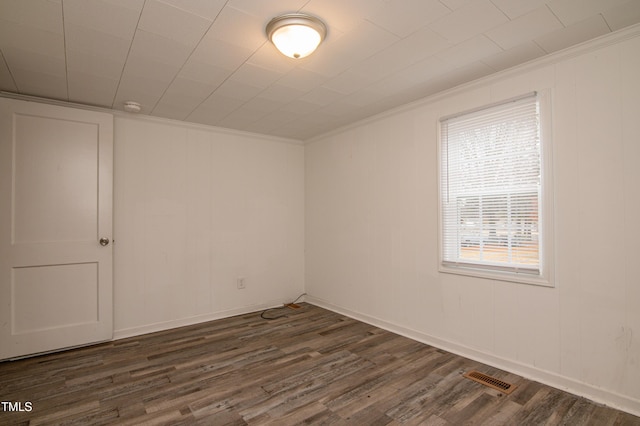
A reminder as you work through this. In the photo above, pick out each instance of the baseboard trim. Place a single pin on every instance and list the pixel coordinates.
(182, 322)
(598, 395)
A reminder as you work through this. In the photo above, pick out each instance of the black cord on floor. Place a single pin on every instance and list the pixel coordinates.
(262, 315)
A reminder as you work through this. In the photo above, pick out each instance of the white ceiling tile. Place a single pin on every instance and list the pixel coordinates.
(343, 14)
(467, 73)
(348, 82)
(41, 84)
(173, 23)
(204, 73)
(203, 116)
(515, 8)
(237, 90)
(416, 74)
(92, 90)
(422, 43)
(321, 96)
(267, 9)
(255, 76)
(574, 34)
(298, 131)
(364, 97)
(96, 65)
(456, 4)
(214, 109)
(623, 15)
(31, 39)
(402, 89)
(365, 40)
(427, 69)
(339, 109)
(144, 84)
(157, 72)
(317, 118)
(207, 9)
(514, 56)
(41, 14)
(468, 52)
(134, 5)
(238, 29)
(240, 118)
(301, 79)
(469, 21)
(181, 98)
(262, 105)
(409, 50)
(272, 121)
(524, 28)
(300, 107)
(206, 116)
(172, 111)
(403, 17)
(354, 46)
(149, 46)
(189, 88)
(262, 126)
(94, 43)
(25, 60)
(278, 92)
(117, 18)
(220, 53)
(6, 80)
(574, 11)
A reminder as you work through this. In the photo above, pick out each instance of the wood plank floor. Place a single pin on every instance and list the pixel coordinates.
(311, 367)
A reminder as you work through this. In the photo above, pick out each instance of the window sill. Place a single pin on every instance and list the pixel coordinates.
(520, 278)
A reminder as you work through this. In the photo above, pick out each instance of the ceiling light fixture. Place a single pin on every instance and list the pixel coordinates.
(296, 35)
(131, 106)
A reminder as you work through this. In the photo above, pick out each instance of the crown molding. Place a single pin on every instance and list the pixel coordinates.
(149, 118)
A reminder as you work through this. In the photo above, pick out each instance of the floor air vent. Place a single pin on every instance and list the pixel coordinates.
(492, 382)
(293, 306)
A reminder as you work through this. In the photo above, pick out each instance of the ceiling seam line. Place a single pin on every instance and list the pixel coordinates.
(124, 64)
(64, 47)
(224, 81)
(555, 16)
(4, 60)
(186, 60)
(606, 22)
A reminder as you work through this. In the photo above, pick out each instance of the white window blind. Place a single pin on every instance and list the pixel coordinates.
(491, 188)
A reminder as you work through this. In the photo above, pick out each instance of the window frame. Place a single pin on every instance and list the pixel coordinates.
(545, 277)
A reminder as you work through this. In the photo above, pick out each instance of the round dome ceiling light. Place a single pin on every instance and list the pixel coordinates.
(296, 35)
(131, 106)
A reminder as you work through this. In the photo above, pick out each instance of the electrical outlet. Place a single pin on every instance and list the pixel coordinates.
(241, 283)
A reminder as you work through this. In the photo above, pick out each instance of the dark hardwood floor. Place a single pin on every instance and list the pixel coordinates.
(311, 367)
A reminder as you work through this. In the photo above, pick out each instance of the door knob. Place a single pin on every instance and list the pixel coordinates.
(104, 241)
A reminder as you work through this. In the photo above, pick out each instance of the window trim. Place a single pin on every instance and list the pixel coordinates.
(546, 275)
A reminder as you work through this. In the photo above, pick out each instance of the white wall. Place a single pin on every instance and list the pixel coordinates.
(194, 209)
(372, 230)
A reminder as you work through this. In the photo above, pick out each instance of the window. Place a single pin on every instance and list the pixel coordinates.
(492, 192)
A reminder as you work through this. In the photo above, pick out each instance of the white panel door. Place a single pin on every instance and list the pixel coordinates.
(55, 207)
